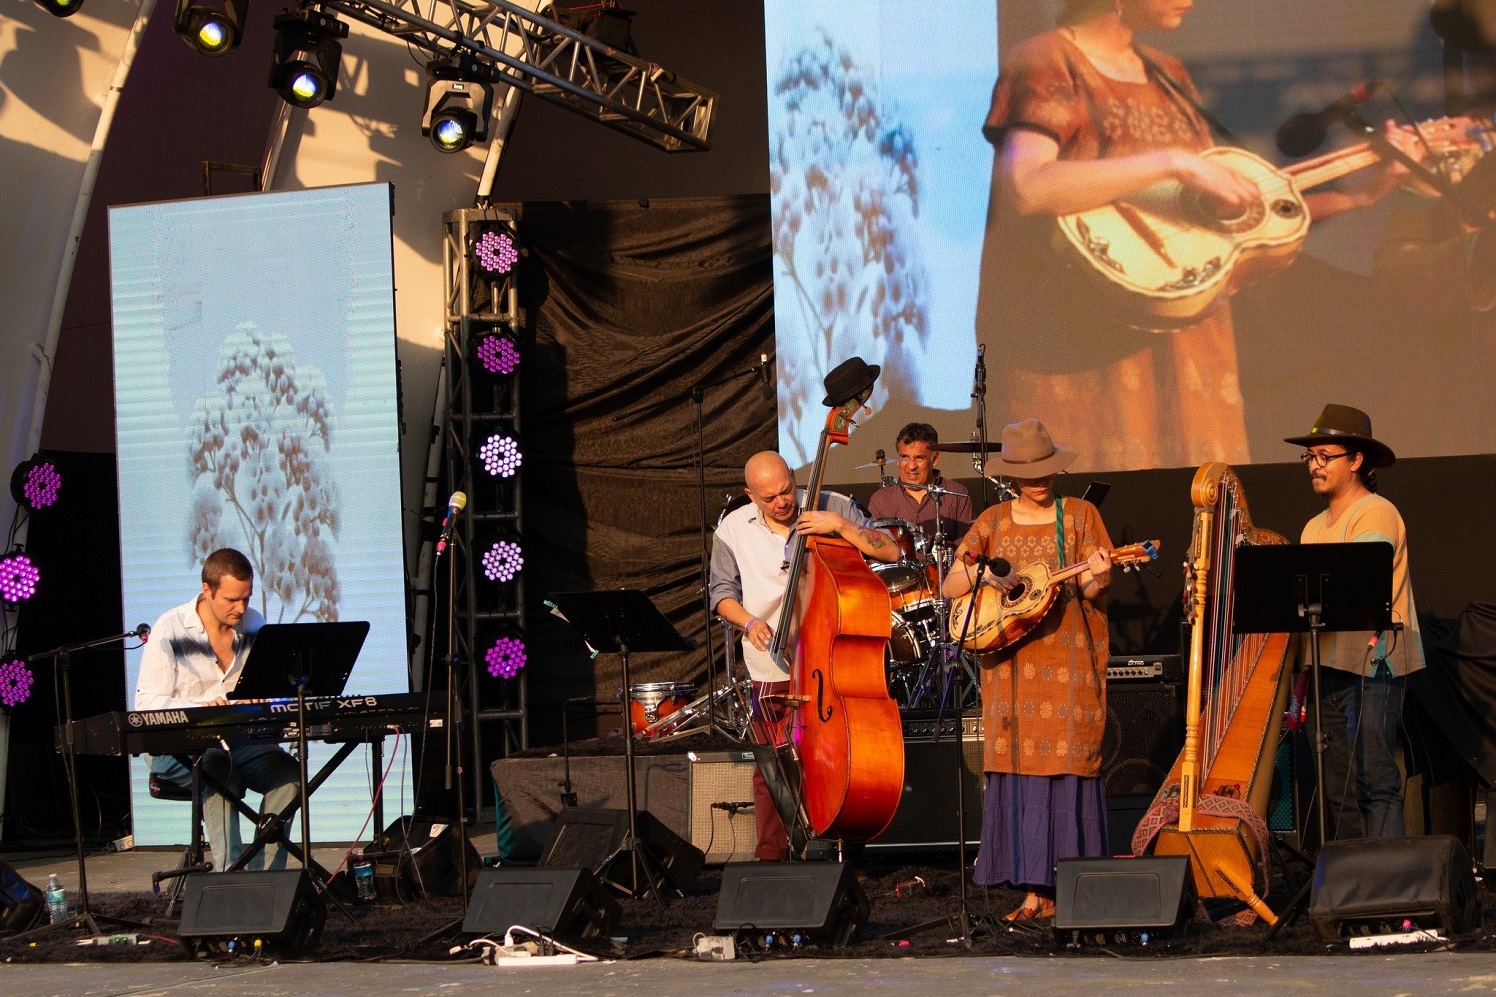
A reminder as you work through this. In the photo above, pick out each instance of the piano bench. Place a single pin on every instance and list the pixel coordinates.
(162, 789)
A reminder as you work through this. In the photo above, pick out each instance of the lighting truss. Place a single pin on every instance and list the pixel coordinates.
(544, 58)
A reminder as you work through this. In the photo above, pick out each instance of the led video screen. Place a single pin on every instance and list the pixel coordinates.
(909, 228)
(256, 408)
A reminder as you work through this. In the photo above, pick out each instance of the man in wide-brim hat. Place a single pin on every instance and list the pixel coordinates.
(1362, 674)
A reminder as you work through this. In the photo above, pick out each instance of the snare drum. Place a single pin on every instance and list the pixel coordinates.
(910, 579)
(649, 701)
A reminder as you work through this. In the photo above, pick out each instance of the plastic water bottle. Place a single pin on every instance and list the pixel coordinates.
(57, 899)
(363, 877)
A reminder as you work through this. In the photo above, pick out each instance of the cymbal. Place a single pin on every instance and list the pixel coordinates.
(875, 463)
(964, 446)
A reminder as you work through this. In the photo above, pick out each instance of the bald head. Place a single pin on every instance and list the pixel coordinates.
(768, 482)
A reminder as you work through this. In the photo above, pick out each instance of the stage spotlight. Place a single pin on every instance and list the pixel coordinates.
(35, 483)
(504, 655)
(500, 455)
(459, 100)
(60, 8)
(305, 67)
(18, 577)
(15, 683)
(503, 560)
(212, 29)
(497, 353)
(496, 251)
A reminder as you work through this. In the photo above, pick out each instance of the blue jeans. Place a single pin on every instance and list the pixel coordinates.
(1363, 786)
(264, 768)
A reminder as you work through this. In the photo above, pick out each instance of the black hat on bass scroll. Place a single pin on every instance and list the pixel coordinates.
(1343, 424)
(849, 380)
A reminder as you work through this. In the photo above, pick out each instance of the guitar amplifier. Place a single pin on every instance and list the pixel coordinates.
(719, 805)
(926, 815)
(1145, 668)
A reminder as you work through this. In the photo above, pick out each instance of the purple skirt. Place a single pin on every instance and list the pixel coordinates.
(1031, 821)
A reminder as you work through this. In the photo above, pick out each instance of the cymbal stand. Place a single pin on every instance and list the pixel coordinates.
(943, 651)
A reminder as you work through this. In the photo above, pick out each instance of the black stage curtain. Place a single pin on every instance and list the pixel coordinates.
(631, 305)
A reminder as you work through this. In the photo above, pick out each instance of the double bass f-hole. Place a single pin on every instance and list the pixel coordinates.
(823, 712)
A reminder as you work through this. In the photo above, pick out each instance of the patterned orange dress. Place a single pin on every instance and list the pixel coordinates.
(1044, 698)
(1179, 399)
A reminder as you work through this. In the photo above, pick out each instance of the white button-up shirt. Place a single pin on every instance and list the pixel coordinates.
(178, 668)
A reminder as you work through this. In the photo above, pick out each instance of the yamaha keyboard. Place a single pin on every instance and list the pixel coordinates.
(335, 719)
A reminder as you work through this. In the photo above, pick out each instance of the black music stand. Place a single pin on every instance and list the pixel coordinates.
(1312, 588)
(619, 621)
(307, 659)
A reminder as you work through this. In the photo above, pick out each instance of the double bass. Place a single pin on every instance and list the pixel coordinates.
(841, 756)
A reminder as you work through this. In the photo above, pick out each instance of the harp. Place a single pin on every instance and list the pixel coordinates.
(1212, 807)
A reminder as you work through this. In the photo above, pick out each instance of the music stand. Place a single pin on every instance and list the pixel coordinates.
(1311, 588)
(307, 658)
(619, 621)
(323, 652)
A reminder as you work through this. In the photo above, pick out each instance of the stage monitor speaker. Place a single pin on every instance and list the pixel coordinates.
(418, 856)
(21, 905)
(1375, 885)
(821, 900)
(719, 805)
(592, 838)
(562, 903)
(926, 816)
(1122, 899)
(279, 909)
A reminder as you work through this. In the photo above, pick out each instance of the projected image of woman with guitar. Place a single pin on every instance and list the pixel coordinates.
(1084, 119)
(1043, 695)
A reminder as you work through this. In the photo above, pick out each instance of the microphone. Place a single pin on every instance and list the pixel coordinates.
(143, 632)
(455, 504)
(997, 566)
(979, 376)
(765, 372)
(1303, 133)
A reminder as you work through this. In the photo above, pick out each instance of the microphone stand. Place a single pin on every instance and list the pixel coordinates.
(956, 677)
(698, 395)
(61, 657)
(1470, 213)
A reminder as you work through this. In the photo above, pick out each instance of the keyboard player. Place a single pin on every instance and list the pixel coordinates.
(194, 658)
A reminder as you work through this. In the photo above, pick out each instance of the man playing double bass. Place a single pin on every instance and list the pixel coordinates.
(749, 574)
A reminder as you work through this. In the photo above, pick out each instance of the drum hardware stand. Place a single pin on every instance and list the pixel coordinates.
(618, 621)
(956, 677)
(61, 658)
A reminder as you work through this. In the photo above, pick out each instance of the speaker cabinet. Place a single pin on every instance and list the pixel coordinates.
(926, 816)
(719, 805)
(420, 856)
(593, 839)
(277, 908)
(21, 905)
(1144, 735)
(1122, 899)
(562, 903)
(822, 900)
(1375, 885)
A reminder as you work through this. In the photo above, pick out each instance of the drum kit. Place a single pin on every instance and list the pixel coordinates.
(920, 654)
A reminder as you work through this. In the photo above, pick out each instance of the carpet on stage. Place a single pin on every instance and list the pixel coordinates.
(902, 894)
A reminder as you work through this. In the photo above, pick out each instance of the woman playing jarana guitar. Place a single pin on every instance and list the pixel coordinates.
(1080, 119)
(1043, 697)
